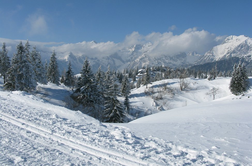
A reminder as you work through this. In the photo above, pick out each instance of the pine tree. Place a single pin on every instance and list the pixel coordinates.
(53, 71)
(10, 83)
(20, 74)
(38, 67)
(69, 76)
(4, 62)
(147, 78)
(107, 80)
(26, 77)
(213, 73)
(125, 90)
(127, 103)
(113, 110)
(87, 93)
(239, 82)
(99, 77)
(139, 82)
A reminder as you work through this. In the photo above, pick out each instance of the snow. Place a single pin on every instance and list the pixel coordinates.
(233, 46)
(38, 130)
(222, 126)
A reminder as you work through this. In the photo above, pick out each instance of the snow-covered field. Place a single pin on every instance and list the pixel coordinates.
(197, 131)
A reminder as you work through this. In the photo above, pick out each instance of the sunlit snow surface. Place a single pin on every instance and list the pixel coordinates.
(33, 131)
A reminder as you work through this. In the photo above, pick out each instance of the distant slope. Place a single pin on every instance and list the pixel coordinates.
(222, 65)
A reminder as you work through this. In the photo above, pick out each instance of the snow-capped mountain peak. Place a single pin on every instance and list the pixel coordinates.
(232, 46)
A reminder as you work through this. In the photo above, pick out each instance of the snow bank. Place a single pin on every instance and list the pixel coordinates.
(36, 132)
(222, 126)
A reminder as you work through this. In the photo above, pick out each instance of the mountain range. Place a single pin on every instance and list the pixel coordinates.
(137, 55)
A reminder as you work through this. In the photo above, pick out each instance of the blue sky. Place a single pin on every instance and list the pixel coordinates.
(112, 20)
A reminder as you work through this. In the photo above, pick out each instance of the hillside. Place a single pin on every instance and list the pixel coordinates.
(36, 132)
(42, 133)
(196, 121)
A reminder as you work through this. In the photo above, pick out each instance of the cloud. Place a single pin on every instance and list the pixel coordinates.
(156, 44)
(36, 25)
(169, 44)
(173, 27)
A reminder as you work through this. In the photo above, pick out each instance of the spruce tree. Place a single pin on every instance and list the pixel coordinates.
(10, 83)
(139, 82)
(127, 103)
(239, 82)
(53, 71)
(113, 110)
(20, 74)
(69, 76)
(99, 77)
(125, 90)
(38, 67)
(26, 77)
(147, 78)
(87, 93)
(4, 62)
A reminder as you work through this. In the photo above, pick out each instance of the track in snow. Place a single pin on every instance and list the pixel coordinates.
(121, 159)
(33, 132)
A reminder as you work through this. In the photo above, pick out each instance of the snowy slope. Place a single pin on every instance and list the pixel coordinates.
(36, 132)
(172, 97)
(222, 126)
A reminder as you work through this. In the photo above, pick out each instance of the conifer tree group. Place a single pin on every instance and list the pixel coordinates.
(98, 94)
(20, 75)
(26, 69)
(4, 62)
(53, 71)
(239, 83)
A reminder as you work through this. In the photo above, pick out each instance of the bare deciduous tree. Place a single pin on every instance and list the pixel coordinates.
(213, 92)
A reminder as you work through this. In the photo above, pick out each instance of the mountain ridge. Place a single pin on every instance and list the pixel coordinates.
(119, 57)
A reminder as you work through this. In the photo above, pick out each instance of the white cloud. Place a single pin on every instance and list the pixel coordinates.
(36, 25)
(158, 43)
(169, 44)
(173, 27)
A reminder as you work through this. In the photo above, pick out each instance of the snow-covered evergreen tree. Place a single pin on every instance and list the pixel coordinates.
(127, 103)
(113, 109)
(38, 67)
(4, 62)
(244, 78)
(87, 93)
(25, 76)
(107, 80)
(239, 82)
(213, 73)
(10, 83)
(125, 89)
(20, 74)
(69, 76)
(139, 82)
(99, 77)
(53, 71)
(147, 78)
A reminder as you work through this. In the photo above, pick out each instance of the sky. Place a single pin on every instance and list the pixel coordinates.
(117, 20)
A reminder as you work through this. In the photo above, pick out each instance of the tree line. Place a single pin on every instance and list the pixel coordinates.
(97, 93)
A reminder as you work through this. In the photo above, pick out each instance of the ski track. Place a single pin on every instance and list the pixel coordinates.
(30, 134)
(69, 143)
